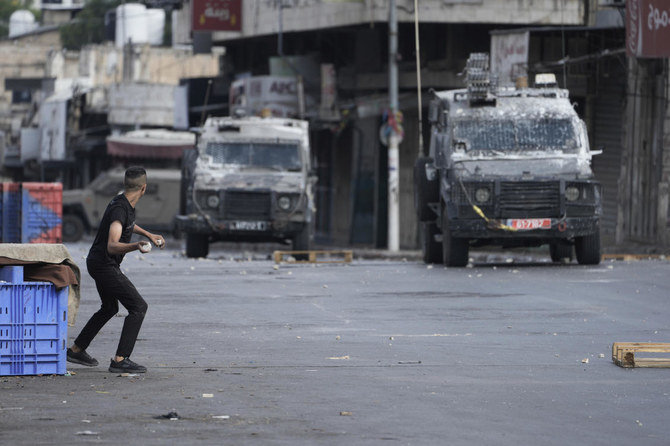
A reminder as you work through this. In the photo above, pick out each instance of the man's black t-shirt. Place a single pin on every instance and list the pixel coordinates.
(117, 209)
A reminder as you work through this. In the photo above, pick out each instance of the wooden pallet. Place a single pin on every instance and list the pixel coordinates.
(623, 354)
(631, 257)
(346, 256)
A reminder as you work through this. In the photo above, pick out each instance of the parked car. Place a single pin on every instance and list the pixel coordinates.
(83, 208)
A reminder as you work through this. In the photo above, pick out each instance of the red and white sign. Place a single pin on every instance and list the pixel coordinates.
(509, 56)
(530, 223)
(216, 15)
(648, 28)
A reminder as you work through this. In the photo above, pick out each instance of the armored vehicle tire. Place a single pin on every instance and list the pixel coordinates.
(432, 250)
(302, 242)
(425, 190)
(197, 245)
(73, 228)
(187, 163)
(455, 251)
(559, 251)
(587, 249)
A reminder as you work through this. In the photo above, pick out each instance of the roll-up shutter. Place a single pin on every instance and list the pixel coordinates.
(607, 134)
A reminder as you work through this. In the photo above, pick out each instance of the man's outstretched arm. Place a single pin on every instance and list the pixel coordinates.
(114, 245)
(156, 239)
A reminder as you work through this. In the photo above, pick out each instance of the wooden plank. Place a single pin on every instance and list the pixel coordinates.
(313, 256)
(652, 363)
(623, 354)
(630, 257)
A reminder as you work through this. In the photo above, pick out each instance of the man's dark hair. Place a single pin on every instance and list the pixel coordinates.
(135, 178)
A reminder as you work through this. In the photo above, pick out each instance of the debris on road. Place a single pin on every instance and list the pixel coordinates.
(172, 416)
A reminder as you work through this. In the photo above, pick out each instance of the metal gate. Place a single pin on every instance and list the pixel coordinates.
(608, 135)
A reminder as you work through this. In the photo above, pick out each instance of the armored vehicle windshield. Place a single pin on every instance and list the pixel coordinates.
(277, 156)
(515, 135)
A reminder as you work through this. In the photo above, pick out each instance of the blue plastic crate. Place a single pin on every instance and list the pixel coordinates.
(2, 187)
(11, 274)
(33, 328)
(11, 213)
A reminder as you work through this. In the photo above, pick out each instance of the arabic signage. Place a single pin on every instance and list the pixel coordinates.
(509, 56)
(217, 15)
(648, 28)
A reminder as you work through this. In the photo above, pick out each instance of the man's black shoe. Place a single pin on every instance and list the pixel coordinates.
(81, 357)
(126, 366)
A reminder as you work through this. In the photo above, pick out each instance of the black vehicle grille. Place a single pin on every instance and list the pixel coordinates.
(530, 199)
(239, 205)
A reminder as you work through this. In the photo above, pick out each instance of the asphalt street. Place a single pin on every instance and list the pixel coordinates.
(240, 351)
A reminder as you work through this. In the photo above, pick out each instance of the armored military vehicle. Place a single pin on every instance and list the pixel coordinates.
(83, 208)
(248, 179)
(507, 167)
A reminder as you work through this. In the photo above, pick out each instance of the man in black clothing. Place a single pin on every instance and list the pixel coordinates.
(111, 243)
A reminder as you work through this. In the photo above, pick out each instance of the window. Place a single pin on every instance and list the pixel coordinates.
(279, 156)
(519, 134)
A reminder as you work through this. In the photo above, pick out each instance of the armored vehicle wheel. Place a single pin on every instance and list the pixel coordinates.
(425, 190)
(454, 250)
(432, 250)
(197, 245)
(587, 249)
(187, 166)
(73, 228)
(559, 251)
(302, 242)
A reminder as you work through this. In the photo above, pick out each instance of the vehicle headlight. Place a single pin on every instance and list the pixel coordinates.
(482, 195)
(284, 203)
(572, 193)
(213, 201)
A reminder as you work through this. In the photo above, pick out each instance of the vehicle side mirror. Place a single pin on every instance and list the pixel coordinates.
(444, 118)
(600, 150)
(433, 112)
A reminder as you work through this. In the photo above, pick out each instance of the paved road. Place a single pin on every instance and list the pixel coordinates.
(376, 352)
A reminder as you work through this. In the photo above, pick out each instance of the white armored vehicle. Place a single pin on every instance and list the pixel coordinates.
(249, 179)
(507, 167)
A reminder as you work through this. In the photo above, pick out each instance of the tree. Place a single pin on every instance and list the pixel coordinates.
(89, 25)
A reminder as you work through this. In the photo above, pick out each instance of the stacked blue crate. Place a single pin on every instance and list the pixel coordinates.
(11, 213)
(33, 325)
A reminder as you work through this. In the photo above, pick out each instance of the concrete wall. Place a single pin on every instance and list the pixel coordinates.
(25, 58)
(664, 185)
(643, 184)
(262, 17)
(104, 65)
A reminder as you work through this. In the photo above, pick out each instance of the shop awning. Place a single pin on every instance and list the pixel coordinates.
(160, 144)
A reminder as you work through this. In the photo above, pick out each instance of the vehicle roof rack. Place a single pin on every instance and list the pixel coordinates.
(480, 85)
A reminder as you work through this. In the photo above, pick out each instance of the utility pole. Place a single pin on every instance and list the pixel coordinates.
(393, 153)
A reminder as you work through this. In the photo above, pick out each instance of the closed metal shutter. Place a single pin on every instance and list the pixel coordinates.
(608, 133)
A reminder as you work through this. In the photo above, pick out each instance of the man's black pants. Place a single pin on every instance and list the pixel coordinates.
(114, 287)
